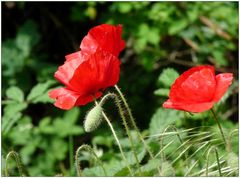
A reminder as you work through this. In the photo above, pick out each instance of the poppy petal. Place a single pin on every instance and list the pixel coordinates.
(190, 107)
(222, 83)
(105, 37)
(100, 71)
(66, 71)
(65, 99)
(194, 85)
(85, 99)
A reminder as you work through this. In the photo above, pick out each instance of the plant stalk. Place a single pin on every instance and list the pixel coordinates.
(121, 112)
(219, 126)
(134, 124)
(70, 145)
(89, 149)
(117, 140)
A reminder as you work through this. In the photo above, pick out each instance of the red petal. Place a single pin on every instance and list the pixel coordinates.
(196, 85)
(66, 71)
(100, 71)
(105, 37)
(190, 107)
(223, 81)
(65, 99)
(82, 100)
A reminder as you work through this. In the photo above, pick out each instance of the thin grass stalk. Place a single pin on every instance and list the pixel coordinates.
(190, 169)
(229, 140)
(77, 162)
(217, 158)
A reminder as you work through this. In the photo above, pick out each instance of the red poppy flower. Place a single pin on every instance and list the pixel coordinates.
(86, 76)
(103, 37)
(87, 73)
(197, 89)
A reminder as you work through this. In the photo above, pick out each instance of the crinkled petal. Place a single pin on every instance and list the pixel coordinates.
(190, 107)
(100, 71)
(65, 99)
(85, 99)
(105, 37)
(195, 85)
(66, 71)
(223, 81)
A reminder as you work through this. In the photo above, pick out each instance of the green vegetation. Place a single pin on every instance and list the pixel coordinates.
(163, 39)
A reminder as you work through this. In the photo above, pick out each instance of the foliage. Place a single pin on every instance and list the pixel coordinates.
(163, 39)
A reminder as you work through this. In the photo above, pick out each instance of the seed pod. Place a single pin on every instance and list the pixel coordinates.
(93, 119)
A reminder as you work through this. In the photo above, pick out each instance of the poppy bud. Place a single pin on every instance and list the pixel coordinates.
(93, 118)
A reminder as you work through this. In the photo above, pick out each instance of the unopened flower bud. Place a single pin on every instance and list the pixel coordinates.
(93, 119)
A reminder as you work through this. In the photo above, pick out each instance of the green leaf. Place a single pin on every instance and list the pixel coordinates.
(162, 92)
(38, 91)
(15, 93)
(72, 115)
(162, 118)
(8, 124)
(45, 126)
(124, 7)
(168, 76)
(27, 37)
(64, 128)
(21, 134)
(57, 149)
(151, 167)
(93, 172)
(11, 109)
(177, 25)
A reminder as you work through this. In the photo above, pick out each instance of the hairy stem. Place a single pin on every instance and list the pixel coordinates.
(219, 126)
(132, 120)
(89, 149)
(117, 140)
(134, 124)
(121, 112)
(119, 145)
(20, 167)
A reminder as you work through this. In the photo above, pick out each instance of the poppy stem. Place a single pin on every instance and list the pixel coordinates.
(134, 124)
(219, 126)
(18, 160)
(121, 112)
(117, 140)
(77, 162)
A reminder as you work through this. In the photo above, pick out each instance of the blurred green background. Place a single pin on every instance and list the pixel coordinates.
(163, 39)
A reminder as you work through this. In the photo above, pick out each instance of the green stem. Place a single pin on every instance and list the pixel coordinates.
(89, 149)
(219, 126)
(132, 120)
(121, 112)
(134, 124)
(117, 140)
(218, 163)
(70, 147)
(18, 162)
